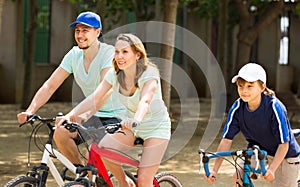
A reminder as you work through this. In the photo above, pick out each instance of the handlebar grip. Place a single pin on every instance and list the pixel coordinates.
(112, 128)
(262, 155)
(134, 124)
(206, 169)
(204, 160)
(70, 126)
(30, 119)
(263, 167)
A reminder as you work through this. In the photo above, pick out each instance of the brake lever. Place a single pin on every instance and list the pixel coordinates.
(255, 151)
(201, 164)
(201, 154)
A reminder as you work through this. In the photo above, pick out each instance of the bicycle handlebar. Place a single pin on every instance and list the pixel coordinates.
(260, 155)
(72, 126)
(109, 128)
(32, 118)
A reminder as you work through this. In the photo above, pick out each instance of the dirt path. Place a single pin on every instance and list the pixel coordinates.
(14, 145)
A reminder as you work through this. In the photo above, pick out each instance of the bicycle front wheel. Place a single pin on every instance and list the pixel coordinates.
(23, 181)
(167, 180)
(75, 184)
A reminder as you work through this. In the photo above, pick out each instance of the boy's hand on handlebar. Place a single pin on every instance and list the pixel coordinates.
(211, 178)
(23, 117)
(269, 176)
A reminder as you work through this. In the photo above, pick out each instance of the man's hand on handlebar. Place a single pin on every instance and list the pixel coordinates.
(70, 117)
(60, 120)
(23, 117)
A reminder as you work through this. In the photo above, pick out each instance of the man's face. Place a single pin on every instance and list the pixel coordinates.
(85, 36)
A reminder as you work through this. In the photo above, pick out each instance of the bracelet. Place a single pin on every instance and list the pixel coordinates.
(138, 123)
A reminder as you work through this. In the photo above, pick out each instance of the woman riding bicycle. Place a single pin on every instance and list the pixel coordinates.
(263, 121)
(137, 82)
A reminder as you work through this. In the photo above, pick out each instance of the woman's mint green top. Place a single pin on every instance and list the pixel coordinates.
(89, 81)
(156, 123)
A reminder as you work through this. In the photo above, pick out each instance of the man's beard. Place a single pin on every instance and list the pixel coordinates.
(88, 46)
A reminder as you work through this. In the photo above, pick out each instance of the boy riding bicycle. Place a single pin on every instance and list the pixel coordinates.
(262, 119)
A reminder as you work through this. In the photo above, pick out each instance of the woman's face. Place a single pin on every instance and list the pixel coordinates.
(125, 56)
(250, 91)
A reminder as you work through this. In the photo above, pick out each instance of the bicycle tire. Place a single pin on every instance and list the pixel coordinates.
(74, 184)
(167, 180)
(23, 181)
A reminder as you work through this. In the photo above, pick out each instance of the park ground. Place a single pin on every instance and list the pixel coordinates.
(184, 164)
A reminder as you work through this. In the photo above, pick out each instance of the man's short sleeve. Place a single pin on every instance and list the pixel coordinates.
(107, 55)
(67, 61)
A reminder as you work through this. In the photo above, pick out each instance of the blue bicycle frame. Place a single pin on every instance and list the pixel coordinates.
(246, 154)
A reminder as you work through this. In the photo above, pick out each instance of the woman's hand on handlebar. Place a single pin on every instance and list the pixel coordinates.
(129, 123)
(23, 117)
(211, 178)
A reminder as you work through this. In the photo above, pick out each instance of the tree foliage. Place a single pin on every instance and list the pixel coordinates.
(117, 8)
(208, 9)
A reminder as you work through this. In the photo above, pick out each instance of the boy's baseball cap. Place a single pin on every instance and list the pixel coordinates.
(251, 72)
(90, 19)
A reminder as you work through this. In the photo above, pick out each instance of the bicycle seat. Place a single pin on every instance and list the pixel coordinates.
(138, 141)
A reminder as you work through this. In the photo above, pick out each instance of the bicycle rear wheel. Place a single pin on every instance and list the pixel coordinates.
(25, 181)
(167, 180)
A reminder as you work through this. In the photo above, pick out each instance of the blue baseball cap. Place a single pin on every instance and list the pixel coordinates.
(90, 19)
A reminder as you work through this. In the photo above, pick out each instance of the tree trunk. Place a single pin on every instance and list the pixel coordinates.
(167, 51)
(2, 2)
(221, 48)
(249, 32)
(100, 9)
(29, 54)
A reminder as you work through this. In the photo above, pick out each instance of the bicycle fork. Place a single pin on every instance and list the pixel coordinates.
(41, 172)
(246, 176)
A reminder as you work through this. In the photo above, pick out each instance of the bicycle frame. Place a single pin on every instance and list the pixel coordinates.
(96, 165)
(49, 153)
(95, 158)
(241, 153)
(47, 160)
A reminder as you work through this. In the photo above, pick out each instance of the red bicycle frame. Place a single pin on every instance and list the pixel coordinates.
(95, 158)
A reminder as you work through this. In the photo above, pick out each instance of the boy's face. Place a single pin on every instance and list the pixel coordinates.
(250, 91)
